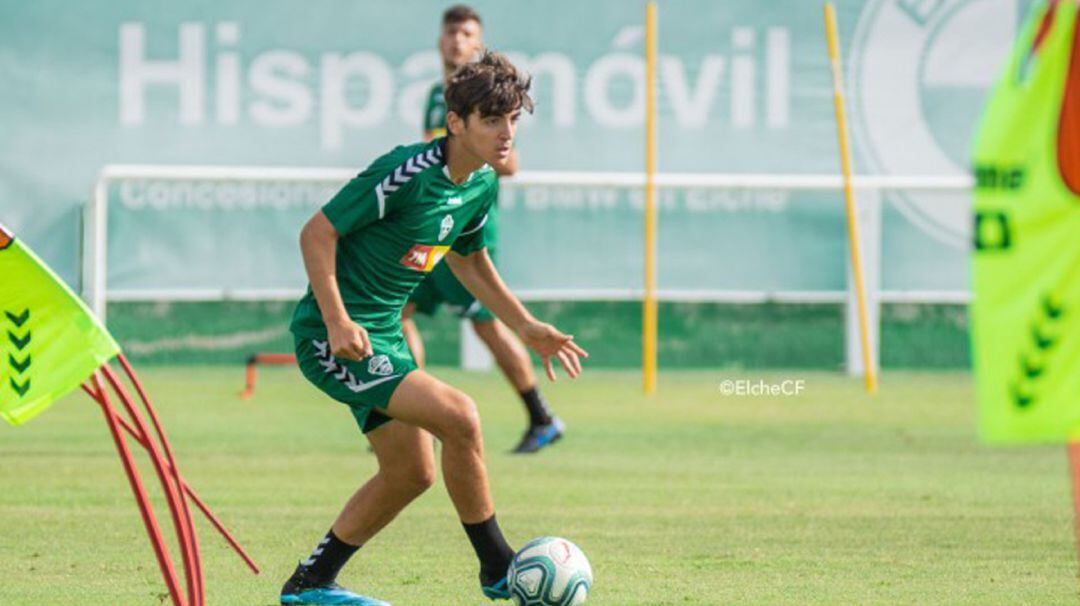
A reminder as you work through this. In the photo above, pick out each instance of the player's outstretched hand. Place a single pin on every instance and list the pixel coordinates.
(547, 341)
(348, 340)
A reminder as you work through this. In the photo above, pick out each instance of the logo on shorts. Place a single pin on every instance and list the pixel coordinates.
(5, 238)
(445, 227)
(422, 257)
(341, 372)
(380, 365)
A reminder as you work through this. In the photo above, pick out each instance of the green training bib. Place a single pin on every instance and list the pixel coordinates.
(51, 341)
(1026, 310)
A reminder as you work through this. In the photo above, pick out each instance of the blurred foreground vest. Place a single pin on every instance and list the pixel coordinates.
(1026, 271)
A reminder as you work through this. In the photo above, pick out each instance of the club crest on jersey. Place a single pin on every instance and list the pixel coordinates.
(422, 257)
(445, 227)
(380, 366)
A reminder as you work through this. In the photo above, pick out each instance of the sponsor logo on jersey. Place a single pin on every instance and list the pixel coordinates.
(445, 227)
(380, 366)
(5, 238)
(422, 257)
(455, 201)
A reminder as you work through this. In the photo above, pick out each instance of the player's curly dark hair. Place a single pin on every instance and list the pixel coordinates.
(491, 84)
(460, 13)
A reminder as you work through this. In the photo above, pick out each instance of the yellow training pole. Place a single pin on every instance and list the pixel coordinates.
(649, 330)
(870, 373)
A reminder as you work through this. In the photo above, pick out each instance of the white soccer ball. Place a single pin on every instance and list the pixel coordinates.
(550, 571)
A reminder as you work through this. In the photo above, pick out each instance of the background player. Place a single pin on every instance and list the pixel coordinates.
(460, 41)
(364, 252)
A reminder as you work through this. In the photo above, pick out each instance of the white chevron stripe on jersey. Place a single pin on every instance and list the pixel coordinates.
(403, 174)
(381, 197)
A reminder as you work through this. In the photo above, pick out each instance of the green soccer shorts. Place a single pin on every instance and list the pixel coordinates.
(364, 386)
(442, 287)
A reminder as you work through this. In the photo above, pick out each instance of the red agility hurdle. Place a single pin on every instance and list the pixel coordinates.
(254, 360)
(176, 490)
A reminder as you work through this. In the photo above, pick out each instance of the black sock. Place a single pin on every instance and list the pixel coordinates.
(326, 560)
(491, 548)
(539, 413)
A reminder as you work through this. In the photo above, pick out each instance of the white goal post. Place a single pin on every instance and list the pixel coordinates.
(95, 237)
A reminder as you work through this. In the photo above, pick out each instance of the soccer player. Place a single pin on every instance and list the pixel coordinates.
(364, 252)
(461, 40)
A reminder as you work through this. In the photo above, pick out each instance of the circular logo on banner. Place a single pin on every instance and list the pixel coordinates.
(919, 73)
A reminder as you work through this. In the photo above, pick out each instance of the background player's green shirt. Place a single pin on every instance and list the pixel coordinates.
(435, 112)
(396, 221)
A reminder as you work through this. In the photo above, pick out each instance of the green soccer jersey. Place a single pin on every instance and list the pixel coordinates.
(435, 112)
(396, 221)
(435, 126)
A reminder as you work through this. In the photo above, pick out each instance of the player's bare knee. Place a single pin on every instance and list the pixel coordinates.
(413, 475)
(463, 424)
(419, 478)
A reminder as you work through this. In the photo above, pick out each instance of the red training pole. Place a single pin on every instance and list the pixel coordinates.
(189, 491)
(145, 510)
(249, 379)
(171, 465)
(181, 516)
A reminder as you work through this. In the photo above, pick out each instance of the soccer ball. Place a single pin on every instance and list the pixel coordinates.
(549, 571)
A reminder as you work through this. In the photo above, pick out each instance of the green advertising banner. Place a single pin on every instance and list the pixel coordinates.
(1027, 262)
(743, 88)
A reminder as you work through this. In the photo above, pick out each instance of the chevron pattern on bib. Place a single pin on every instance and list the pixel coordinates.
(404, 173)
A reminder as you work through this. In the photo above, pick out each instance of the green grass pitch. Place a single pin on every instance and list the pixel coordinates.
(685, 498)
